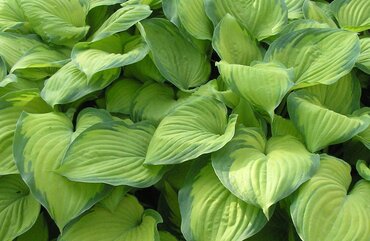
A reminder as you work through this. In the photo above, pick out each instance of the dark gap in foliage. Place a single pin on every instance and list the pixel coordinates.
(148, 197)
(214, 70)
(52, 227)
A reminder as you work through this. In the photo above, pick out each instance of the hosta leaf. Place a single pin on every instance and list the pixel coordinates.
(324, 209)
(319, 125)
(352, 15)
(95, 57)
(112, 153)
(39, 145)
(363, 169)
(308, 51)
(198, 126)
(11, 106)
(39, 62)
(153, 102)
(57, 21)
(194, 19)
(263, 18)
(129, 221)
(262, 172)
(294, 8)
(364, 136)
(248, 116)
(363, 61)
(273, 80)
(175, 57)
(233, 43)
(97, 3)
(3, 69)
(121, 20)
(38, 232)
(18, 209)
(210, 212)
(282, 127)
(144, 70)
(12, 17)
(14, 46)
(312, 10)
(69, 84)
(166, 236)
(12, 83)
(112, 201)
(343, 96)
(120, 95)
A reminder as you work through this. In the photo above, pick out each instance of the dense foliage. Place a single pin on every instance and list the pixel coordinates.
(197, 120)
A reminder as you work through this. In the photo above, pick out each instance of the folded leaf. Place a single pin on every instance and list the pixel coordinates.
(352, 15)
(39, 145)
(194, 19)
(121, 20)
(196, 127)
(129, 221)
(282, 127)
(97, 3)
(18, 209)
(312, 10)
(40, 62)
(273, 82)
(324, 209)
(175, 57)
(112, 201)
(262, 172)
(120, 95)
(39, 231)
(11, 107)
(12, 17)
(210, 212)
(363, 61)
(263, 18)
(57, 21)
(233, 43)
(112, 153)
(319, 125)
(294, 8)
(144, 70)
(363, 169)
(308, 51)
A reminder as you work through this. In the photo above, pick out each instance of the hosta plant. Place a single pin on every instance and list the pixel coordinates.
(184, 120)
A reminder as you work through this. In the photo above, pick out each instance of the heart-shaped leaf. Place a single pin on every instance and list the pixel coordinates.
(128, 221)
(39, 145)
(324, 209)
(18, 208)
(196, 127)
(210, 212)
(262, 172)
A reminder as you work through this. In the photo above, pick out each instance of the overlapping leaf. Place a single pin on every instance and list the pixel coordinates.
(325, 209)
(363, 61)
(352, 15)
(129, 221)
(262, 172)
(39, 231)
(12, 17)
(198, 126)
(210, 212)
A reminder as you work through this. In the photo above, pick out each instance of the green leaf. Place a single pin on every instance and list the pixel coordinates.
(273, 80)
(210, 212)
(120, 95)
(363, 169)
(18, 209)
(262, 172)
(308, 51)
(153, 102)
(69, 84)
(363, 61)
(112, 153)
(175, 57)
(3, 69)
(312, 10)
(342, 97)
(193, 18)
(144, 70)
(112, 201)
(263, 18)
(196, 127)
(166, 236)
(364, 136)
(248, 117)
(38, 232)
(282, 127)
(294, 8)
(12, 17)
(39, 145)
(12, 83)
(92, 58)
(129, 221)
(11, 106)
(319, 125)
(40, 62)
(57, 21)
(324, 209)
(121, 20)
(14, 46)
(352, 15)
(97, 3)
(233, 43)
